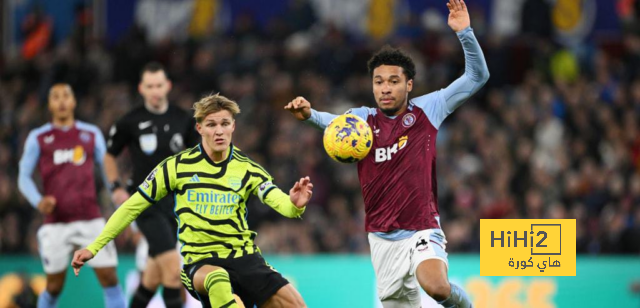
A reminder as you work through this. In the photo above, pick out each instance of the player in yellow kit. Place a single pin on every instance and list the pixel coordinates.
(211, 184)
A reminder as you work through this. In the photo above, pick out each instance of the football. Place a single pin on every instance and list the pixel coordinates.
(348, 139)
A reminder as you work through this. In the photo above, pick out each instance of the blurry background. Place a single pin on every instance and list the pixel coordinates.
(554, 133)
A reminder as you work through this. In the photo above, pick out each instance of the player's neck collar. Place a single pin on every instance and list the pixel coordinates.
(210, 161)
(64, 127)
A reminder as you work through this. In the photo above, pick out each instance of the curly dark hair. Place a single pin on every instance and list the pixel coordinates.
(392, 56)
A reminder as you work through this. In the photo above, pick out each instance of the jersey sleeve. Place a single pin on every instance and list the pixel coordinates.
(159, 182)
(440, 104)
(271, 195)
(362, 112)
(320, 120)
(27, 165)
(120, 219)
(119, 137)
(101, 147)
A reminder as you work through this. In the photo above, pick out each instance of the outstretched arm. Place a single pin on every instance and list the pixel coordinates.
(476, 72)
(292, 205)
(155, 186)
(438, 105)
(301, 109)
(120, 219)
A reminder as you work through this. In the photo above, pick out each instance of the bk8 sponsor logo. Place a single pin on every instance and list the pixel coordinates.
(76, 156)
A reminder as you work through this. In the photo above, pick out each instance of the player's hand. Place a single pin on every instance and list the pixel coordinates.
(301, 192)
(119, 196)
(458, 15)
(79, 258)
(47, 205)
(300, 108)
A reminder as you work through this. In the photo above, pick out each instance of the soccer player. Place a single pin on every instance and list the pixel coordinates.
(398, 177)
(151, 132)
(211, 184)
(65, 151)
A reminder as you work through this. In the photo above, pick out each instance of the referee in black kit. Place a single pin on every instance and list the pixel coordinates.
(152, 132)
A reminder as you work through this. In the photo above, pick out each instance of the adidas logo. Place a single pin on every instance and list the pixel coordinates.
(195, 178)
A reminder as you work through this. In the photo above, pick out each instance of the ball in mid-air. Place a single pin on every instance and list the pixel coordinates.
(348, 138)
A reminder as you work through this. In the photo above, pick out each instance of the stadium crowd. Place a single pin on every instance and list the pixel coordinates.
(554, 134)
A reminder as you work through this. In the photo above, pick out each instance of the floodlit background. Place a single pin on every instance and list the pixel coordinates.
(554, 133)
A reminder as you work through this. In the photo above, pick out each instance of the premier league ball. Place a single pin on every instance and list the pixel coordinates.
(348, 139)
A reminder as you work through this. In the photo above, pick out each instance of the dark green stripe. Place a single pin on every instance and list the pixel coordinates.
(210, 232)
(191, 161)
(186, 210)
(244, 249)
(264, 196)
(252, 163)
(187, 186)
(217, 273)
(212, 283)
(185, 252)
(233, 301)
(201, 174)
(213, 254)
(153, 189)
(241, 219)
(141, 192)
(223, 244)
(167, 183)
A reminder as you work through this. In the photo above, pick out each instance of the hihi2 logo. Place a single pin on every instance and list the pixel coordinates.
(527, 247)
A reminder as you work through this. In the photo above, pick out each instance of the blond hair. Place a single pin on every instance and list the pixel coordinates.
(212, 104)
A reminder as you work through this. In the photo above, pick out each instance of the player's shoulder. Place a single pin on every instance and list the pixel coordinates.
(187, 156)
(244, 161)
(174, 161)
(84, 126)
(43, 129)
(192, 152)
(363, 112)
(188, 153)
(423, 101)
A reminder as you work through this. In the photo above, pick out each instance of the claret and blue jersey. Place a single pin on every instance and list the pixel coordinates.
(398, 177)
(65, 157)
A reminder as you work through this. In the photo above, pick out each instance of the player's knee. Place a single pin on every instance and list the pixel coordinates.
(171, 278)
(107, 277)
(151, 282)
(54, 288)
(439, 291)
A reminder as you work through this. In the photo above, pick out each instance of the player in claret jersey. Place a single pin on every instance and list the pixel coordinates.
(398, 177)
(66, 151)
